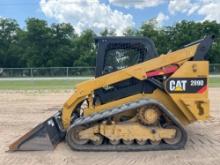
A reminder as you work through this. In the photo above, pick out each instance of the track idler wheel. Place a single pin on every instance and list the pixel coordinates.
(177, 137)
(73, 136)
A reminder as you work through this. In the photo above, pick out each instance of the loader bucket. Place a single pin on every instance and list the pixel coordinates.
(44, 136)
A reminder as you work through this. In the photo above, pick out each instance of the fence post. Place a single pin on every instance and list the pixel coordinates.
(31, 72)
(67, 72)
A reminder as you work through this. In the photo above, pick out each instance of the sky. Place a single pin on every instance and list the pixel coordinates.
(111, 14)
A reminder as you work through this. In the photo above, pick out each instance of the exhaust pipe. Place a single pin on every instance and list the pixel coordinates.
(43, 137)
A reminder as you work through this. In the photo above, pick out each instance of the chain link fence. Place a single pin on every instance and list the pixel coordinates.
(65, 72)
(214, 69)
(47, 72)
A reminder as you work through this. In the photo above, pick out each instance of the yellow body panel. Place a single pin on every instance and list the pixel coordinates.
(194, 106)
(182, 109)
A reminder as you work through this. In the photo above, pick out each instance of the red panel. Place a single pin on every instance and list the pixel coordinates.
(165, 70)
(203, 89)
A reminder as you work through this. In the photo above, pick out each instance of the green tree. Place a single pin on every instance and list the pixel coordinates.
(159, 36)
(49, 45)
(62, 45)
(38, 49)
(107, 32)
(130, 32)
(185, 32)
(182, 33)
(43, 45)
(85, 49)
(10, 53)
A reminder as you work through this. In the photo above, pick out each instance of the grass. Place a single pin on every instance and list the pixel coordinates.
(214, 82)
(59, 84)
(38, 84)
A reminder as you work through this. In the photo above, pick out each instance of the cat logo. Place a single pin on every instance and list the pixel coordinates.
(186, 85)
(177, 86)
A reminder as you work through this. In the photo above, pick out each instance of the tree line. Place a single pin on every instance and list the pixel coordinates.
(57, 45)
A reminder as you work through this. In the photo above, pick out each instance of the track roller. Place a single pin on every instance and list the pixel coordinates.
(128, 142)
(99, 141)
(114, 142)
(141, 142)
(155, 142)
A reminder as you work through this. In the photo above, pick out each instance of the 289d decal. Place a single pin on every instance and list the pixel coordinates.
(186, 85)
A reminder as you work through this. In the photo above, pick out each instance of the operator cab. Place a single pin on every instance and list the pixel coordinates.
(116, 53)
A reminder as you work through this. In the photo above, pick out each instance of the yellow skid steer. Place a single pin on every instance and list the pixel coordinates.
(138, 101)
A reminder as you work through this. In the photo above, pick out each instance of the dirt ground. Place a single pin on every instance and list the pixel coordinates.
(20, 111)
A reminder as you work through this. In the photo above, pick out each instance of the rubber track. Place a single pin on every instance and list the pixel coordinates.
(122, 147)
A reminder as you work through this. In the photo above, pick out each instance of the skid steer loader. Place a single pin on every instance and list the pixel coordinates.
(138, 100)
